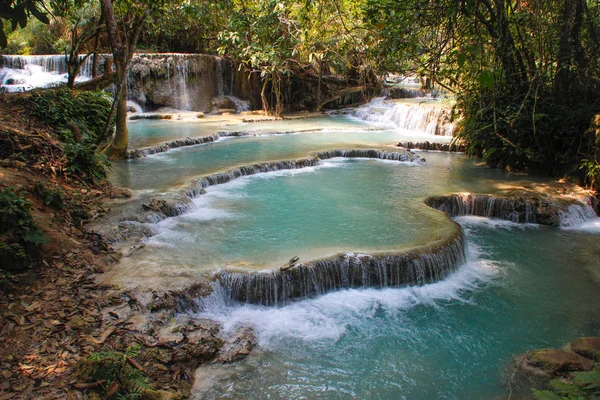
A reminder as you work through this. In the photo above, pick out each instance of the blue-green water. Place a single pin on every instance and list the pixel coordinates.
(522, 288)
(162, 171)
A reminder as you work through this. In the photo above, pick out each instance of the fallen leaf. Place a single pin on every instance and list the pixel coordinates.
(105, 335)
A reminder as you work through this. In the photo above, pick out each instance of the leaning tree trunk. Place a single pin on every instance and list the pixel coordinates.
(122, 56)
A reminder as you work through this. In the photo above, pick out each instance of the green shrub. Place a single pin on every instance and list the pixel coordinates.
(83, 161)
(52, 197)
(68, 111)
(113, 366)
(20, 238)
(88, 110)
(584, 385)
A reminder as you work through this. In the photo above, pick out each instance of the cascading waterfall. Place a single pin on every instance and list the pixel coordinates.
(181, 81)
(428, 120)
(21, 73)
(344, 271)
(220, 84)
(518, 209)
(577, 215)
(180, 86)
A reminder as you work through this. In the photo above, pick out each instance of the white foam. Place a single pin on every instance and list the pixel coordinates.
(580, 217)
(328, 317)
(470, 220)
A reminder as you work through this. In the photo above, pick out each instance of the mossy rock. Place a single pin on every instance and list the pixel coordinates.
(588, 347)
(558, 361)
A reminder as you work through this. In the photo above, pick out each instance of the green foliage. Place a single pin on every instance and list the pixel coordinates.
(592, 172)
(52, 197)
(584, 386)
(85, 162)
(20, 238)
(18, 12)
(69, 112)
(88, 110)
(113, 366)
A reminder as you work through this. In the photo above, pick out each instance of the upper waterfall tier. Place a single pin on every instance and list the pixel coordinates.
(425, 118)
(193, 82)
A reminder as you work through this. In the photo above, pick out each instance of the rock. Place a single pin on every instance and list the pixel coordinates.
(202, 348)
(223, 103)
(556, 361)
(200, 115)
(121, 193)
(238, 346)
(588, 347)
(180, 300)
(77, 323)
(170, 334)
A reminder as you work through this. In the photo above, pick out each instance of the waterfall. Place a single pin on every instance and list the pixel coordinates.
(22, 73)
(180, 80)
(519, 209)
(134, 107)
(240, 105)
(219, 73)
(579, 216)
(344, 271)
(427, 120)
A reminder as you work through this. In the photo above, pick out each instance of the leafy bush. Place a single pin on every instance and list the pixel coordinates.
(585, 385)
(20, 238)
(114, 366)
(83, 161)
(61, 107)
(79, 119)
(52, 197)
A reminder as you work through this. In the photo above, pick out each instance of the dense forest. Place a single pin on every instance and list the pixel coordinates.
(524, 73)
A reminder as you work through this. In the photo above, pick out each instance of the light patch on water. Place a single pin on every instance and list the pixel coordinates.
(329, 317)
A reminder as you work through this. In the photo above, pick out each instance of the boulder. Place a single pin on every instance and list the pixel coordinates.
(237, 346)
(557, 361)
(223, 103)
(588, 347)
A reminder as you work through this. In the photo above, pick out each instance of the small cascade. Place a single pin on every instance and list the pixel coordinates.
(344, 271)
(219, 77)
(403, 93)
(578, 216)
(200, 184)
(432, 121)
(518, 210)
(179, 80)
(369, 153)
(132, 106)
(240, 105)
(428, 120)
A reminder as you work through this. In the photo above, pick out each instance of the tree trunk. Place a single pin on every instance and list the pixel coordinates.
(122, 56)
(263, 96)
(118, 146)
(569, 51)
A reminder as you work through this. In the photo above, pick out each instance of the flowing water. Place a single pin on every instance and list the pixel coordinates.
(522, 287)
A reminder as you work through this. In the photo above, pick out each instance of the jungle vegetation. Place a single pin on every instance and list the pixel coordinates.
(525, 73)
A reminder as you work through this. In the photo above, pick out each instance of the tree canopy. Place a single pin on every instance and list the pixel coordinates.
(525, 73)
